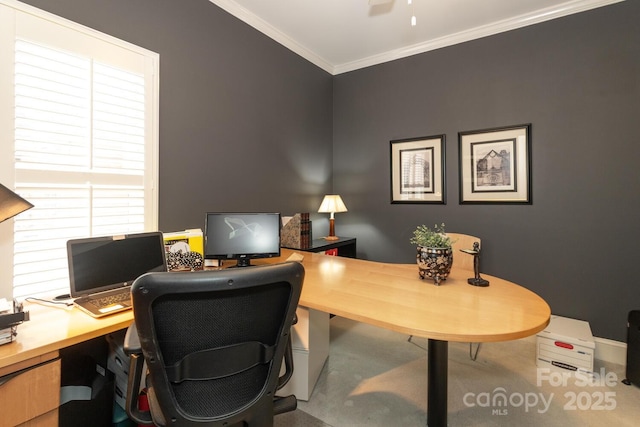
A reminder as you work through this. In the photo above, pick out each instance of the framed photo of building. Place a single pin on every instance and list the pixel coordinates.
(495, 165)
(417, 170)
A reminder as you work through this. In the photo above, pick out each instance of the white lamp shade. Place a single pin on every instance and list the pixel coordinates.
(332, 203)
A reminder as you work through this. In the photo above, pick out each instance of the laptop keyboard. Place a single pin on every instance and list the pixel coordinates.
(111, 299)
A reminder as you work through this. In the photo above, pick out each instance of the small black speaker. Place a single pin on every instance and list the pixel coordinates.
(633, 348)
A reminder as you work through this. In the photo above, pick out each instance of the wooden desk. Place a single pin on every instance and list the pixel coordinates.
(31, 365)
(51, 329)
(390, 296)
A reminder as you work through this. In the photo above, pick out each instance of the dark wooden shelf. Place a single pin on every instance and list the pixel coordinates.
(346, 246)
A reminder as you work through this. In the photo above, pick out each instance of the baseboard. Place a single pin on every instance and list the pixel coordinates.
(611, 351)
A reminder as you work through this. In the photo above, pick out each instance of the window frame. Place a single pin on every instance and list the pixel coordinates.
(10, 12)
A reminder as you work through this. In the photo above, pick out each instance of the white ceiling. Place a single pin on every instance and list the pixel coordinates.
(345, 35)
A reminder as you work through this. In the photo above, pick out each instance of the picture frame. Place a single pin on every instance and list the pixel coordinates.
(495, 165)
(418, 170)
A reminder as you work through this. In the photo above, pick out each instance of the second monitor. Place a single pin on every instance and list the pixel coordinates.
(241, 236)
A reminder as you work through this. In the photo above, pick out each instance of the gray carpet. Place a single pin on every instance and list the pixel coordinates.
(375, 377)
(298, 418)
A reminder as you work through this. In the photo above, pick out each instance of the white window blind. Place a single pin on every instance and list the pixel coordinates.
(85, 149)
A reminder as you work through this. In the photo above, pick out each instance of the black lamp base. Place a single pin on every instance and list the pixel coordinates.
(478, 282)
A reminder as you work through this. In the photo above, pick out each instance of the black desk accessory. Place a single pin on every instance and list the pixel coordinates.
(476, 280)
(9, 323)
(11, 205)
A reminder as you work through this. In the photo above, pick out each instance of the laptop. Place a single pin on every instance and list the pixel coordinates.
(102, 269)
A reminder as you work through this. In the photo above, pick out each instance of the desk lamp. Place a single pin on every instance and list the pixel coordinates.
(11, 205)
(331, 204)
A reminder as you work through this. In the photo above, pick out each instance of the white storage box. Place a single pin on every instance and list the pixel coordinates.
(120, 390)
(118, 363)
(566, 345)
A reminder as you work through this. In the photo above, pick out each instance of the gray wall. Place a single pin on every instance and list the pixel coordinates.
(247, 125)
(577, 81)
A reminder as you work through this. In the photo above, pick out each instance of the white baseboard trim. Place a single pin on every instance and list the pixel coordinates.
(611, 351)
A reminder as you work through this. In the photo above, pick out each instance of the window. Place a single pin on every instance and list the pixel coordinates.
(85, 141)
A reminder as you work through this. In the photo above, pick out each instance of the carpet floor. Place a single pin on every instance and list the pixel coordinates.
(375, 377)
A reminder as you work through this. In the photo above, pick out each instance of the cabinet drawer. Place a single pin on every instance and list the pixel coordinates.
(50, 419)
(29, 393)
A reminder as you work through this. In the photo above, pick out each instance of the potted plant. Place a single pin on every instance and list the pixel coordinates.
(434, 252)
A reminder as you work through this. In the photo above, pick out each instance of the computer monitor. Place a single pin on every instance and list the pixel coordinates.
(241, 236)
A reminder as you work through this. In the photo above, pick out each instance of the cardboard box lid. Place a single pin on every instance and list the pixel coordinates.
(572, 330)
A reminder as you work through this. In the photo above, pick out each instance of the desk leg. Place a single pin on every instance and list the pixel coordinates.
(437, 373)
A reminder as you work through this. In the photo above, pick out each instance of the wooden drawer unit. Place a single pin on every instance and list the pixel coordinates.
(30, 392)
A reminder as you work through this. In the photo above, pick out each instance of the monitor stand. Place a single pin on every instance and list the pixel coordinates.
(243, 262)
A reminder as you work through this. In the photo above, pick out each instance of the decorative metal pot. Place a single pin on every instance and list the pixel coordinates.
(434, 263)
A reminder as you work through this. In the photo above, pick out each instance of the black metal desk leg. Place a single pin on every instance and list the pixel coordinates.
(437, 373)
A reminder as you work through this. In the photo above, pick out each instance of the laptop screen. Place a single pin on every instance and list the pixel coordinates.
(98, 264)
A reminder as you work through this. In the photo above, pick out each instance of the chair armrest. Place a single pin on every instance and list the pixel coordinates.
(136, 369)
(132, 341)
(288, 366)
(288, 359)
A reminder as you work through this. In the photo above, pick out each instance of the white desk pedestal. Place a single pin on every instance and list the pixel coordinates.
(310, 342)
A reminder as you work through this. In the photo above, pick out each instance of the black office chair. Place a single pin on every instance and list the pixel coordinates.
(214, 343)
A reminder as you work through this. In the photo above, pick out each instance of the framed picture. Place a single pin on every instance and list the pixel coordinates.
(417, 170)
(495, 165)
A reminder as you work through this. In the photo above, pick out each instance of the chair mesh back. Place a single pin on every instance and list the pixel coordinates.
(218, 319)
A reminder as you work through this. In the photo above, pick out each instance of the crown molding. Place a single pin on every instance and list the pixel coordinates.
(542, 15)
(269, 30)
(521, 21)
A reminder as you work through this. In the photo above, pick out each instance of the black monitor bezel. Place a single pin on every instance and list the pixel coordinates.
(242, 259)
